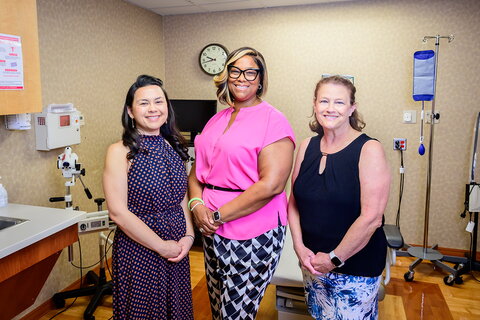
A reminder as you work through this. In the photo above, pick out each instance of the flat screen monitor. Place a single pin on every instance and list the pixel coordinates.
(192, 115)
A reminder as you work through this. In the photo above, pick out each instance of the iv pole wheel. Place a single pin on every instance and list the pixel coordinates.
(408, 276)
(448, 280)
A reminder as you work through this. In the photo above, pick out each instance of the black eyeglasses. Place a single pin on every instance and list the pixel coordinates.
(249, 74)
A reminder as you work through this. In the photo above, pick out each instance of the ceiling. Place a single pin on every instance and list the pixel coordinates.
(173, 7)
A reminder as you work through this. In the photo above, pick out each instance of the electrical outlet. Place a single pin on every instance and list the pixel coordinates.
(428, 117)
(399, 144)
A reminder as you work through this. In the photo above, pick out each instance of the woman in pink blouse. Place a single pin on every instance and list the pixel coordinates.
(236, 187)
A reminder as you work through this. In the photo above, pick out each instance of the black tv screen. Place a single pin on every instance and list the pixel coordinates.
(192, 115)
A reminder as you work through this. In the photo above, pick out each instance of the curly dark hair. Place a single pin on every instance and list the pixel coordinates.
(131, 136)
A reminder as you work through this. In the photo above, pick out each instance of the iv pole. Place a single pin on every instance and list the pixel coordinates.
(426, 253)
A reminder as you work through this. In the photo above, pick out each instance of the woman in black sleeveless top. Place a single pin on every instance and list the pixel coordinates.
(340, 184)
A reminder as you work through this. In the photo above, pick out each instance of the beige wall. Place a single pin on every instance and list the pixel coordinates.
(373, 41)
(91, 52)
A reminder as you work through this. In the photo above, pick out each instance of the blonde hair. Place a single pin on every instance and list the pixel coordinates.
(355, 120)
(221, 79)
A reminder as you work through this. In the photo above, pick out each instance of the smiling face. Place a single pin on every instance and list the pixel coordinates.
(332, 106)
(149, 109)
(244, 91)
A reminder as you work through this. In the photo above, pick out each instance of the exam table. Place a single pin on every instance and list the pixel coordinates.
(290, 298)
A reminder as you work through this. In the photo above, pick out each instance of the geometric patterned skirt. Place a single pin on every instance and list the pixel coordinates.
(239, 271)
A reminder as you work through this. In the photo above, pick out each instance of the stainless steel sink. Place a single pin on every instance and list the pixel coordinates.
(6, 222)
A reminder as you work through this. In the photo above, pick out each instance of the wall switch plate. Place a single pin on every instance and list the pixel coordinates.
(409, 116)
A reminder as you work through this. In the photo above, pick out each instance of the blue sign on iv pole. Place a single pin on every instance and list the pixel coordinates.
(424, 75)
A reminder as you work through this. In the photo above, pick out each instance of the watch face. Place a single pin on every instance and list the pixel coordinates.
(213, 58)
(216, 216)
(336, 262)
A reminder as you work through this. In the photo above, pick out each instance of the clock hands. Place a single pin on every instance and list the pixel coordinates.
(211, 59)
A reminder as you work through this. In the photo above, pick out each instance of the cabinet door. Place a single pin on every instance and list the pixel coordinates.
(19, 18)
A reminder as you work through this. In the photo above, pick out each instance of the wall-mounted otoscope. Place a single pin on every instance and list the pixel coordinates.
(71, 169)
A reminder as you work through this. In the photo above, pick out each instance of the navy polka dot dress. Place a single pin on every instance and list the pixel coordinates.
(146, 285)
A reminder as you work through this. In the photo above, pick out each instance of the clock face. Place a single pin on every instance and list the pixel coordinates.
(213, 58)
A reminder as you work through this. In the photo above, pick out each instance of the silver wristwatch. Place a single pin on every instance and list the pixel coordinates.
(217, 216)
(336, 260)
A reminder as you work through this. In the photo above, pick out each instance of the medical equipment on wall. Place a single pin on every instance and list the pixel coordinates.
(22, 121)
(71, 169)
(57, 126)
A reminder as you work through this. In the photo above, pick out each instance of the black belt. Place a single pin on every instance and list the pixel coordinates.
(209, 186)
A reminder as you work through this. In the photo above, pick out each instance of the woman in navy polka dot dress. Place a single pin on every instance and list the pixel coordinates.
(145, 184)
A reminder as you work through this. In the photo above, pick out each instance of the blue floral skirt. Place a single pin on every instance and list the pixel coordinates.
(336, 296)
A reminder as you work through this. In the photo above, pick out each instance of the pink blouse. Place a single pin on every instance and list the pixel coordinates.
(230, 160)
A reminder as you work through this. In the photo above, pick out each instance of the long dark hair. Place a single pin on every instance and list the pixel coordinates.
(131, 137)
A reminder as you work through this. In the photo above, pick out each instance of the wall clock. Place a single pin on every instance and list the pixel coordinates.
(212, 58)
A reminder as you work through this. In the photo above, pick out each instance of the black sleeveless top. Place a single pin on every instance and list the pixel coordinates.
(329, 203)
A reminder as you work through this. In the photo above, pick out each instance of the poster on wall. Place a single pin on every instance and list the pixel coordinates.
(11, 62)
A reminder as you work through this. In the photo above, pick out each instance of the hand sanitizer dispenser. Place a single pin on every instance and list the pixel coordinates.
(3, 195)
(57, 126)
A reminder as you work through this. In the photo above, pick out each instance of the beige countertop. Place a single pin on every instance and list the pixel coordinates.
(42, 223)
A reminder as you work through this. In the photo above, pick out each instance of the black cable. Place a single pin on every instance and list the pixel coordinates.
(81, 281)
(87, 267)
(470, 250)
(102, 257)
(400, 194)
(470, 260)
(465, 204)
(472, 255)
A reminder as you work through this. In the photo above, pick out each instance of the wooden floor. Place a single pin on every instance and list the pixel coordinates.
(427, 297)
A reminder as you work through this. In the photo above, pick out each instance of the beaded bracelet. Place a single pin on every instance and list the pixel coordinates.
(194, 199)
